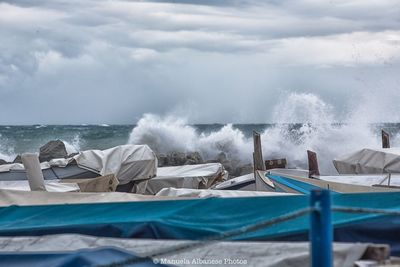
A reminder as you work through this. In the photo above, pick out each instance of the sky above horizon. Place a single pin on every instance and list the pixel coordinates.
(73, 62)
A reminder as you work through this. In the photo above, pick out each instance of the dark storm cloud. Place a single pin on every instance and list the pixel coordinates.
(111, 61)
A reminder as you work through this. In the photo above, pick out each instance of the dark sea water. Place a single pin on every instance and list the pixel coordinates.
(163, 136)
(20, 139)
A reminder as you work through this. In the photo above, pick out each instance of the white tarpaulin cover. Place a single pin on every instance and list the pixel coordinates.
(126, 162)
(369, 161)
(43, 165)
(20, 166)
(51, 186)
(203, 193)
(29, 198)
(366, 180)
(266, 254)
(200, 176)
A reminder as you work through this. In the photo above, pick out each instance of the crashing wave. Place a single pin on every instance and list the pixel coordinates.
(287, 138)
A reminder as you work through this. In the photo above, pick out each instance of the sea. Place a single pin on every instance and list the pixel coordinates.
(172, 134)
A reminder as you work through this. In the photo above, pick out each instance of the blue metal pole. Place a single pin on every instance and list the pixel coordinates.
(321, 233)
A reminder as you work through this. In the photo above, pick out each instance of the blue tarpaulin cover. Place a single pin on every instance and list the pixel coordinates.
(200, 218)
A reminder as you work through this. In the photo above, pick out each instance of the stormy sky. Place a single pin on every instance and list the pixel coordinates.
(87, 61)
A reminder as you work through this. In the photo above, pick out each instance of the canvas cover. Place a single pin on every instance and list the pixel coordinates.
(369, 161)
(51, 186)
(203, 193)
(86, 257)
(249, 253)
(200, 176)
(30, 198)
(201, 218)
(127, 162)
(107, 183)
(365, 180)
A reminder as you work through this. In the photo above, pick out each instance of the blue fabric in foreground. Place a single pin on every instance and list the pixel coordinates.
(199, 218)
(84, 257)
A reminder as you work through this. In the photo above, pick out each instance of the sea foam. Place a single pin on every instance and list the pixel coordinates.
(303, 122)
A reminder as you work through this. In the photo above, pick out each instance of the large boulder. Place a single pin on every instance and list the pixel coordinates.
(53, 150)
(162, 160)
(176, 159)
(193, 158)
(244, 169)
(221, 157)
(179, 158)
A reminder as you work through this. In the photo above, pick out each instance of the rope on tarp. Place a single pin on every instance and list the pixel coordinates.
(365, 210)
(216, 238)
(244, 230)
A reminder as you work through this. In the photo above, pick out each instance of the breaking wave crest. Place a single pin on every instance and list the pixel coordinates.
(303, 122)
(171, 134)
(74, 145)
(6, 153)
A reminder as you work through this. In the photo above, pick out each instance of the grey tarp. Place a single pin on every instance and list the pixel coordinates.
(184, 192)
(107, 183)
(51, 186)
(29, 198)
(127, 162)
(369, 161)
(366, 180)
(268, 254)
(200, 176)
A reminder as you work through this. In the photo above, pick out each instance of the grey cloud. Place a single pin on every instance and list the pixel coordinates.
(111, 61)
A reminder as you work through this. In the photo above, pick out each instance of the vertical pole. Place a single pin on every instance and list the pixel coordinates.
(385, 139)
(321, 233)
(33, 171)
(259, 164)
(313, 168)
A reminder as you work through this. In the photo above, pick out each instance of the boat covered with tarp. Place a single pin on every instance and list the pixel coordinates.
(185, 218)
(369, 161)
(128, 163)
(198, 176)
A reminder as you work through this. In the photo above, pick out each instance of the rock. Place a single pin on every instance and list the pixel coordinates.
(162, 160)
(176, 159)
(52, 150)
(193, 158)
(190, 162)
(228, 166)
(17, 159)
(2, 162)
(244, 169)
(179, 158)
(221, 157)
